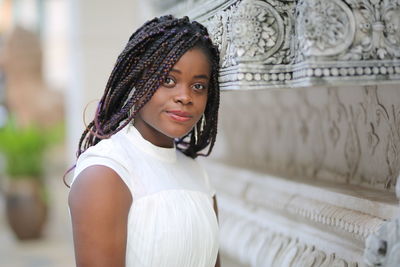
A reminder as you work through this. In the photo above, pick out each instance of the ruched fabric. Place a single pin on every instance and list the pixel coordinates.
(171, 222)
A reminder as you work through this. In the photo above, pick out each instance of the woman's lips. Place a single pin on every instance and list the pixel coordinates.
(178, 115)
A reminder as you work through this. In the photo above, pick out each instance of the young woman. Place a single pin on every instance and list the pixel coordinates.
(138, 197)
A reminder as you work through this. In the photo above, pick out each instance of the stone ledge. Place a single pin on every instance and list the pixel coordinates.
(257, 237)
(261, 188)
(338, 217)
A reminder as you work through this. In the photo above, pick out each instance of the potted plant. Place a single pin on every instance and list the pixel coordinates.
(26, 206)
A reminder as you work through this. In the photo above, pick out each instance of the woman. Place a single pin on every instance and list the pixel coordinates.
(138, 197)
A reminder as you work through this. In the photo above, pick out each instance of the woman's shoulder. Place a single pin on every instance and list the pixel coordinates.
(105, 153)
(105, 149)
(102, 148)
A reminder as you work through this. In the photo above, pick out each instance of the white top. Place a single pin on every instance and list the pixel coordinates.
(171, 221)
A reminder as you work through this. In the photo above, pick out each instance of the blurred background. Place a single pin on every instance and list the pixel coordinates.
(55, 58)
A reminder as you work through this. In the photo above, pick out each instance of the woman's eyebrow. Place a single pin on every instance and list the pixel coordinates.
(176, 70)
(201, 76)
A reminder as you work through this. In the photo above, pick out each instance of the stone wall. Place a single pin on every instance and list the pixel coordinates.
(307, 156)
(305, 175)
(347, 134)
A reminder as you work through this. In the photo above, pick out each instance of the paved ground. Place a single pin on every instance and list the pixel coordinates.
(55, 249)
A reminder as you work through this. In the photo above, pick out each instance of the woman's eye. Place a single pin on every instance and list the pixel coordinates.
(169, 81)
(199, 86)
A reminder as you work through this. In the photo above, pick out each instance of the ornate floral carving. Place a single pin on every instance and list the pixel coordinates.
(379, 29)
(216, 27)
(324, 28)
(256, 30)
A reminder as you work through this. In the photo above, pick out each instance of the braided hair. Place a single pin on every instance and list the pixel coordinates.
(142, 68)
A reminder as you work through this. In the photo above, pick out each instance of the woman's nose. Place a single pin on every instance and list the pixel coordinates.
(183, 95)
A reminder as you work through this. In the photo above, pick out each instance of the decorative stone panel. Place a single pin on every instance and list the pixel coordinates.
(348, 135)
(280, 44)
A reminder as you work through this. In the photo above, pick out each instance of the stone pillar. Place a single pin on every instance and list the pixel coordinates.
(308, 152)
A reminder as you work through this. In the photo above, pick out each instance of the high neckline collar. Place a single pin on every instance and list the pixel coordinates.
(161, 153)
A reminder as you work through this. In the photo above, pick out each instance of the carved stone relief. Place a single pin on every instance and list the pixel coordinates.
(251, 31)
(265, 247)
(347, 135)
(378, 29)
(278, 44)
(256, 31)
(326, 27)
(270, 221)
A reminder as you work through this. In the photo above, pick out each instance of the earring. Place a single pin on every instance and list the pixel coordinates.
(203, 121)
(195, 133)
(130, 112)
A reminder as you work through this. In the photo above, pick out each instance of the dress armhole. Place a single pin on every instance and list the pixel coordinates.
(107, 162)
(209, 186)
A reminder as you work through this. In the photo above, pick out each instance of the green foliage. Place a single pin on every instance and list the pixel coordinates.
(23, 149)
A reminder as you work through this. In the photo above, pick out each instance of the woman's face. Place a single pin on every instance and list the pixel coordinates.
(179, 103)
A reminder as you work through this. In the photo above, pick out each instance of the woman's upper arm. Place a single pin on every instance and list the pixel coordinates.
(99, 202)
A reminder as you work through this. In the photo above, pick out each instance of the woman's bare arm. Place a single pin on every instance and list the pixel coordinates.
(217, 264)
(99, 202)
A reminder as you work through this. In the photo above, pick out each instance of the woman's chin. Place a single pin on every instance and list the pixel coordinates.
(177, 132)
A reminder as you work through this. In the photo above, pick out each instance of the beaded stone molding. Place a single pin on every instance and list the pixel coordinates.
(287, 43)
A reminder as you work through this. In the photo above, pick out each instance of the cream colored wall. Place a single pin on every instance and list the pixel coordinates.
(98, 32)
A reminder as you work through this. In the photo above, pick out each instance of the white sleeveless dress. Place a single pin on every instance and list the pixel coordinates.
(171, 222)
